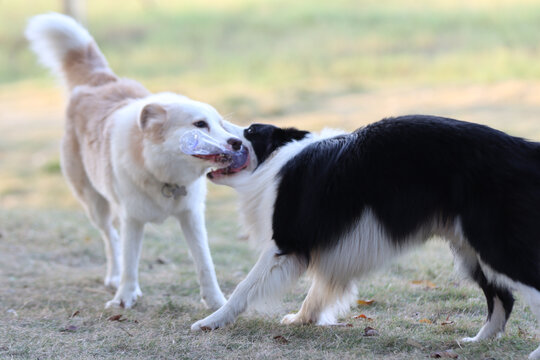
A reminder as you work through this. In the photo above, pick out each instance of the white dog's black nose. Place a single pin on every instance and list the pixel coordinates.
(235, 143)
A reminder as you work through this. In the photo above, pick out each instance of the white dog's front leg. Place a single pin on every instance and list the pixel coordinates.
(271, 275)
(131, 234)
(192, 223)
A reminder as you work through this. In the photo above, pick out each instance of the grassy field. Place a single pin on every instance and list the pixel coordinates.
(303, 63)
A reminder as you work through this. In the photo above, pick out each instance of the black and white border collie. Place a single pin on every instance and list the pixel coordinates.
(339, 206)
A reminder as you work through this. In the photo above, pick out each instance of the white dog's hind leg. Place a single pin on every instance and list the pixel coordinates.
(532, 297)
(271, 275)
(96, 206)
(323, 303)
(192, 223)
(131, 234)
(98, 211)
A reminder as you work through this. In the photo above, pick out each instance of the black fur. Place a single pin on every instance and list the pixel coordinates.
(492, 291)
(267, 138)
(411, 170)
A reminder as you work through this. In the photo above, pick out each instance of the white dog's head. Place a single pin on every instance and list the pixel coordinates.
(165, 118)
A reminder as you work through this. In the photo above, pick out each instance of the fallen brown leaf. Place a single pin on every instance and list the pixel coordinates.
(369, 331)
(75, 314)
(425, 321)
(116, 318)
(280, 339)
(362, 316)
(365, 302)
(451, 354)
(447, 321)
(426, 283)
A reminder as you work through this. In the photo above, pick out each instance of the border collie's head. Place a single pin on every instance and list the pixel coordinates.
(262, 141)
(265, 139)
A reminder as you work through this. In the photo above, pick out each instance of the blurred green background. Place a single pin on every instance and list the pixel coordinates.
(340, 63)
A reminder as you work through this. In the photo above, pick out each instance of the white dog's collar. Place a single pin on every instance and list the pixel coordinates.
(173, 191)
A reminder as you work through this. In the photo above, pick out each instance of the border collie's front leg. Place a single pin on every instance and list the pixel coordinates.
(271, 275)
(500, 303)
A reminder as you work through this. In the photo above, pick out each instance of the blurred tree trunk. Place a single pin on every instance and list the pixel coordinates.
(76, 9)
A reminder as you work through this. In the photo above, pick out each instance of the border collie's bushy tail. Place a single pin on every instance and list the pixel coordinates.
(66, 47)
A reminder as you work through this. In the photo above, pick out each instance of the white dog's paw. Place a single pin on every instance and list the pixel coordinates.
(294, 319)
(217, 320)
(112, 282)
(215, 302)
(469, 339)
(125, 297)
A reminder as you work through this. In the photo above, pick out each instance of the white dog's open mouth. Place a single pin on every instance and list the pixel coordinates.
(228, 160)
(237, 162)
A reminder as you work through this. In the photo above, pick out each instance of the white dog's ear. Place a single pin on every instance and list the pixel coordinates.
(152, 116)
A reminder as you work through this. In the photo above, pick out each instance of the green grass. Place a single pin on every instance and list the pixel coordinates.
(252, 58)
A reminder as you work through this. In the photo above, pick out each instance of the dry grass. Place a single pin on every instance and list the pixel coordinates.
(52, 260)
(336, 64)
(53, 265)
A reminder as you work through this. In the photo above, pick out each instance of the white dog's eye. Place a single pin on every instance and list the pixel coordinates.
(201, 124)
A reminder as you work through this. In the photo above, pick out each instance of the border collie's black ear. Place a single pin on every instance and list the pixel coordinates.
(285, 135)
(266, 138)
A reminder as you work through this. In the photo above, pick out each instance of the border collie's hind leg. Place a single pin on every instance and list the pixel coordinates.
(324, 301)
(532, 297)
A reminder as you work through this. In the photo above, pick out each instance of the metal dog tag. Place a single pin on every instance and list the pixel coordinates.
(173, 191)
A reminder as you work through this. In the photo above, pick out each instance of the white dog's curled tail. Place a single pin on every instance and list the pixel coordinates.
(66, 47)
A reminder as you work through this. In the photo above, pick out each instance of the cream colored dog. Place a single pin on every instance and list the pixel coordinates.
(121, 155)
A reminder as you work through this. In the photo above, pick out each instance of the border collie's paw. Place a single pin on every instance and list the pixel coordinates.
(293, 319)
(125, 297)
(217, 320)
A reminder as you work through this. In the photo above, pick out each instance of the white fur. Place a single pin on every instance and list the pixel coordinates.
(494, 326)
(118, 184)
(137, 193)
(52, 36)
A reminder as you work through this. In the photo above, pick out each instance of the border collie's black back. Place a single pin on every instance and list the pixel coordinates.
(411, 170)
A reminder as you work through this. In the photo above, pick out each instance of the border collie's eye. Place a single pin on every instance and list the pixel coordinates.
(250, 130)
(201, 124)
